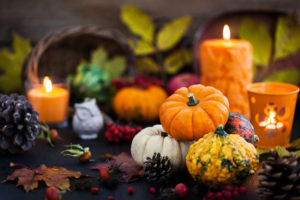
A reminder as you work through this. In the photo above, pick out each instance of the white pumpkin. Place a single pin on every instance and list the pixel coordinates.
(154, 139)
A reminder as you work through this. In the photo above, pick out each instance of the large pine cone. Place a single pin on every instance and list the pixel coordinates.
(280, 178)
(19, 124)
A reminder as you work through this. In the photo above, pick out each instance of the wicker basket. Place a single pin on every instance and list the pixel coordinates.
(58, 53)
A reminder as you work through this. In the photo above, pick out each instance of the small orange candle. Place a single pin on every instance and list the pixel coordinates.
(272, 108)
(51, 101)
(226, 64)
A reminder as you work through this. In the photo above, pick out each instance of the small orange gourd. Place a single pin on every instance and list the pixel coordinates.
(191, 112)
(139, 104)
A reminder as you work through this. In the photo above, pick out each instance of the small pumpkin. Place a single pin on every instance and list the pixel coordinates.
(154, 139)
(239, 124)
(139, 104)
(191, 112)
(220, 158)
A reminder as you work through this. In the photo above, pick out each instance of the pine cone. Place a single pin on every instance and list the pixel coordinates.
(280, 178)
(158, 169)
(19, 124)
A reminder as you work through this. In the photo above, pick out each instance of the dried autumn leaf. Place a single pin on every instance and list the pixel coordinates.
(141, 47)
(138, 22)
(287, 37)
(124, 162)
(127, 165)
(52, 176)
(171, 33)
(176, 60)
(260, 39)
(281, 151)
(147, 65)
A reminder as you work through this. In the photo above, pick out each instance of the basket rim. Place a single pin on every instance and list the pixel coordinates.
(30, 68)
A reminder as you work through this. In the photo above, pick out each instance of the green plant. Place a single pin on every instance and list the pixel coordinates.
(267, 50)
(93, 78)
(150, 46)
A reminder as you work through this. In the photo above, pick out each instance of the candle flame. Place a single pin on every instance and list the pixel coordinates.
(226, 32)
(271, 122)
(47, 84)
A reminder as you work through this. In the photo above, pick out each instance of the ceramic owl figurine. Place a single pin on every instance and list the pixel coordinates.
(87, 120)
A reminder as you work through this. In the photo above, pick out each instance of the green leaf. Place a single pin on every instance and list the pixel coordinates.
(11, 63)
(147, 65)
(287, 37)
(171, 33)
(141, 47)
(262, 151)
(176, 60)
(115, 67)
(287, 76)
(281, 151)
(98, 57)
(260, 39)
(138, 22)
(295, 144)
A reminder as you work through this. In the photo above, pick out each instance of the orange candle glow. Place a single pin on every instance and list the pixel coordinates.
(50, 101)
(226, 64)
(272, 108)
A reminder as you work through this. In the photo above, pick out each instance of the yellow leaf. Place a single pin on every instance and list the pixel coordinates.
(141, 47)
(147, 65)
(138, 22)
(171, 33)
(175, 61)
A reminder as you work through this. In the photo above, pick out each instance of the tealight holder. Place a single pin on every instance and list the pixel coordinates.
(272, 107)
(50, 100)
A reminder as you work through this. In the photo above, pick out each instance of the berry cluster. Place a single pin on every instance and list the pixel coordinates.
(229, 192)
(115, 133)
(140, 80)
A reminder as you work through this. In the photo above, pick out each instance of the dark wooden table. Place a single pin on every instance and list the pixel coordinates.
(43, 153)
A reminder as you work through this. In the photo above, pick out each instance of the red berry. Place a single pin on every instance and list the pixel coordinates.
(104, 173)
(52, 193)
(227, 195)
(152, 190)
(111, 198)
(181, 190)
(110, 124)
(219, 195)
(95, 190)
(242, 190)
(130, 190)
(235, 194)
(53, 135)
(229, 188)
(210, 195)
(86, 157)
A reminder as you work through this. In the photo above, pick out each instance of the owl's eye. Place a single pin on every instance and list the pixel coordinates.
(83, 113)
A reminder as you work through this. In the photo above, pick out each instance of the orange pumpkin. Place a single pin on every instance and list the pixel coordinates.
(191, 112)
(139, 104)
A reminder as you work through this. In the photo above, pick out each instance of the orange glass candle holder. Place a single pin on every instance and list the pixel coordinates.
(272, 107)
(51, 101)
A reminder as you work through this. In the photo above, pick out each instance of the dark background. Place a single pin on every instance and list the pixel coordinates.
(35, 18)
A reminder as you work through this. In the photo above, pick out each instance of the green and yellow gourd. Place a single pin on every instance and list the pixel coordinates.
(220, 158)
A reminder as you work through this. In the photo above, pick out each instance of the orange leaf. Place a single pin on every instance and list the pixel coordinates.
(52, 176)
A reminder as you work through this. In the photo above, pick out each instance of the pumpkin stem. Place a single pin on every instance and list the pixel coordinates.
(192, 100)
(220, 131)
(163, 134)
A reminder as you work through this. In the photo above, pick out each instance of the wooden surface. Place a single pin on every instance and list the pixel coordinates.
(35, 18)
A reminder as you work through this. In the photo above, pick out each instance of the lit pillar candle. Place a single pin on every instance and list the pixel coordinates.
(50, 101)
(226, 64)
